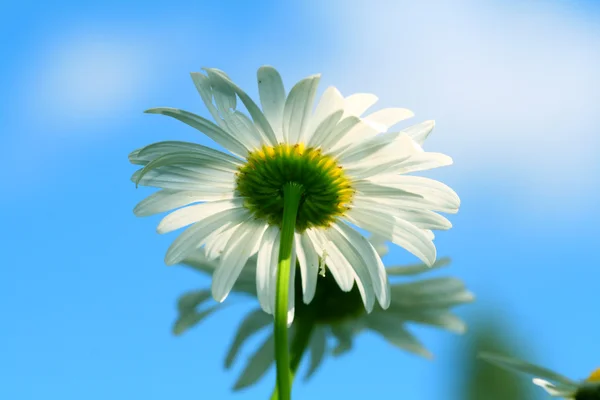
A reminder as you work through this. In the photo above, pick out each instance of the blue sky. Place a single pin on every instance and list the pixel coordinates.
(87, 302)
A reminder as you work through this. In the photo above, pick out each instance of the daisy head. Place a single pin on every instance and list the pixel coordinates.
(348, 168)
(554, 384)
(328, 325)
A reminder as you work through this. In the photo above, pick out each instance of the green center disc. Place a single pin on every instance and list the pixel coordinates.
(327, 190)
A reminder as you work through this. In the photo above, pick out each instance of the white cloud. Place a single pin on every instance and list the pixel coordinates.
(514, 88)
(85, 76)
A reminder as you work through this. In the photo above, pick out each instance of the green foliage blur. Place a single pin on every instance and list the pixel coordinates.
(479, 380)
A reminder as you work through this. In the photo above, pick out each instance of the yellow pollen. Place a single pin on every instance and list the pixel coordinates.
(594, 376)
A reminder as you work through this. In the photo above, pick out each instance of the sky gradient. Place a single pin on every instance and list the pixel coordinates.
(86, 299)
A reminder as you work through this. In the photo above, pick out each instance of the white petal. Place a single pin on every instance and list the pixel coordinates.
(228, 118)
(317, 349)
(214, 158)
(525, 367)
(252, 323)
(194, 213)
(193, 236)
(380, 155)
(566, 391)
(309, 265)
(422, 162)
(393, 331)
(216, 133)
(397, 231)
(365, 148)
(421, 218)
(202, 83)
(338, 132)
(272, 98)
(292, 290)
(331, 101)
(325, 129)
(358, 103)
(216, 242)
(420, 132)
(258, 364)
(357, 133)
(330, 255)
(386, 118)
(266, 269)
(257, 116)
(166, 200)
(183, 179)
(298, 107)
(357, 265)
(433, 192)
(234, 257)
(372, 262)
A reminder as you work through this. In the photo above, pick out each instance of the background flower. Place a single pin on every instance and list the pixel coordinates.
(555, 384)
(333, 314)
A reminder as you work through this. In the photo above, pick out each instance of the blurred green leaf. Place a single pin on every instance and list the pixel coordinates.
(480, 380)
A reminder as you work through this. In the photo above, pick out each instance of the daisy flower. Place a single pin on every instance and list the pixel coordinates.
(337, 169)
(333, 315)
(555, 384)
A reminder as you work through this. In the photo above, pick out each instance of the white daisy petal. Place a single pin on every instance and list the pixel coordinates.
(257, 365)
(165, 200)
(308, 259)
(193, 236)
(336, 263)
(358, 103)
(298, 107)
(393, 331)
(216, 242)
(324, 129)
(184, 178)
(338, 132)
(330, 102)
(216, 159)
(194, 213)
(257, 115)
(292, 290)
(211, 130)
(420, 132)
(567, 391)
(202, 83)
(357, 265)
(266, 269)
(358, 153)
(396, 230)
(252, 323)
(525, 367)
(387, 117)
(234, 257)
(421, 218)
(431, 190)
(372, 262)
(272, 98)
(421, 162)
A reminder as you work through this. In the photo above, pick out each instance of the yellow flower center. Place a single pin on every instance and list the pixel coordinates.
(594, 376)
(327, 192)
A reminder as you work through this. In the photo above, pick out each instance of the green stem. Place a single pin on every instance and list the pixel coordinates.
(292, 193)
(303, 331)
